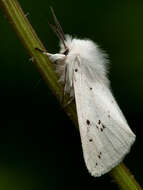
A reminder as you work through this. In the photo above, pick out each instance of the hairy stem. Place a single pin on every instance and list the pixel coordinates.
(27, 35)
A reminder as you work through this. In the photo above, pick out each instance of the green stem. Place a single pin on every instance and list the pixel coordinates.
(124, 178)
(26, 33)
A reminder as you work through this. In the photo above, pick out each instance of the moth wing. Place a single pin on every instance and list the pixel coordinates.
(105, 135)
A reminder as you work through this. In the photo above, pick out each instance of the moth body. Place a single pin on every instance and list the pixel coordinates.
(105, 135)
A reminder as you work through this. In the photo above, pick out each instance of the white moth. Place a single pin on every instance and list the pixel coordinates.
(105, 135)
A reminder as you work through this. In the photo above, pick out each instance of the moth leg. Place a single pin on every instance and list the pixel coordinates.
(63, 96)
(64, 89)
(73, 78)
(69, 102)
(53, 57)
(40, 50)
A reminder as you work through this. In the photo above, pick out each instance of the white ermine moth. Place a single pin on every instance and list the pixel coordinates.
(105, 135)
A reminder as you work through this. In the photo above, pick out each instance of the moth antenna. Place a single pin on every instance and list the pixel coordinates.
(57, 22)
(57, 33)
(55, 29)
(58, 29)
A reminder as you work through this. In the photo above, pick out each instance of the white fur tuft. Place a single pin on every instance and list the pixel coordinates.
(93, 58)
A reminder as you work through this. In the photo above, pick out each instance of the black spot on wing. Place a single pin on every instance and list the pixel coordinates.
(103, 126)
(90, 140)
(76, 70)
(100, 125)
(88, 122)
(108, 112)
(90, 88)
(97, 127)
(99, 155)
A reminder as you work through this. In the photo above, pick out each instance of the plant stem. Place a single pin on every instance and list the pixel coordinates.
(27, 35)
(124, 178)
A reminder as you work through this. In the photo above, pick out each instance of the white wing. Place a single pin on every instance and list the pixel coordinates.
(105, 135)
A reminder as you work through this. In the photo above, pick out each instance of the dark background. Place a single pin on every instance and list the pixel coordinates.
(39, 147)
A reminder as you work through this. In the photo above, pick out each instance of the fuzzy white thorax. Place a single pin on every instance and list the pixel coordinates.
(91, 57)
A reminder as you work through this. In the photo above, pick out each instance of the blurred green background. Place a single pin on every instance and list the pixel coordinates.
(39, 146)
